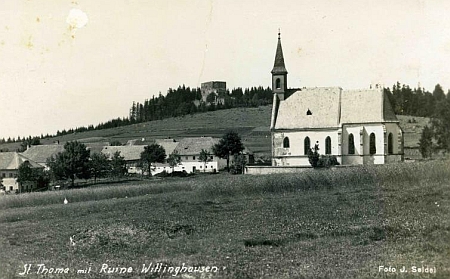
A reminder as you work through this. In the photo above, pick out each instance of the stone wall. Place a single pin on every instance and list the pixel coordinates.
(256, 170)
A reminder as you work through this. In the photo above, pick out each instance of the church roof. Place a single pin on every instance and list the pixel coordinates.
(366, 105)
(322, 104)
(278, 66)
(331, 106)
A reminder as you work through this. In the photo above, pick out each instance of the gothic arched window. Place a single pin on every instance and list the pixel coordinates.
(328, 145)
(372, 144)
(307, 145)
(351, 144)
(286, 142)
(278, 83)
(390, 144)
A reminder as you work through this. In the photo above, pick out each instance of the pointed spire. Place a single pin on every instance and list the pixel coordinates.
(278, 66)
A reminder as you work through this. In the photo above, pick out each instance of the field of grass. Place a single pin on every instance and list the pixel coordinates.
(335, 223)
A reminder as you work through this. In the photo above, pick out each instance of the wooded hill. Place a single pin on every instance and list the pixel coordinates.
(180, 102)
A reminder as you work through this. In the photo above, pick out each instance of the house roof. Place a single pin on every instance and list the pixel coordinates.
(133, 152)
(169, 145)
(12, 161)
(331, 106)
(40, 153)
(96, 147)
(130, 153)
(193, 146)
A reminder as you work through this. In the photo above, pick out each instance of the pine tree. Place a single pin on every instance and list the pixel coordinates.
(426, 142)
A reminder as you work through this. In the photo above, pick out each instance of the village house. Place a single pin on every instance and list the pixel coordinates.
(40, 153)
(189, 150)
(355, 126)
(130, 153)
(9, 168)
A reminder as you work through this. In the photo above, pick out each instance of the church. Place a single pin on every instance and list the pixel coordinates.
(355, 126)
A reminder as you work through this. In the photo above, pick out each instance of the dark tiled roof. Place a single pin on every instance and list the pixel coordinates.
(278, 66)
(388, 111)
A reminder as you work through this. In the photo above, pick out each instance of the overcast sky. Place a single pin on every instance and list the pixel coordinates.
(65, 64)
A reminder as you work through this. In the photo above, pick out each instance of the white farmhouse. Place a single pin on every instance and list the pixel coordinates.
(189, 150)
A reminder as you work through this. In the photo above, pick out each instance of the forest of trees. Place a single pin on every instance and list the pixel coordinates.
(417, 101)
(181, 101)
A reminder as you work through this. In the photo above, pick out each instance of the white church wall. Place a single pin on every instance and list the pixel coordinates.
(394, 129)
(295, 155)
(357, 158)
(378, 157)
(397, 148)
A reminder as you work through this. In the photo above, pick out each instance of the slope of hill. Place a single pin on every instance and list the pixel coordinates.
(251, 123)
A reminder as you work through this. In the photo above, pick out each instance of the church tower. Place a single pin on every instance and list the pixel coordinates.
(279, 72)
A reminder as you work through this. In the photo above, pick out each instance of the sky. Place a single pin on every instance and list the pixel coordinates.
(71, 63)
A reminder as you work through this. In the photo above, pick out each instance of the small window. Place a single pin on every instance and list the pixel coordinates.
(372, 147)
(328, 145)
(10, 188)
(187, 158)
(286, 142)
(307, 145)
(193, 157)
(278, 83)
(351, 144)
(212, 157)
(200, 166)
(390, 144)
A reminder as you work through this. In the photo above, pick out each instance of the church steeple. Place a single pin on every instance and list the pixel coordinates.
(278, 65)
(279, 72)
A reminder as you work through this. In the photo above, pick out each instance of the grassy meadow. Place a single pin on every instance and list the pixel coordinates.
(333, 223)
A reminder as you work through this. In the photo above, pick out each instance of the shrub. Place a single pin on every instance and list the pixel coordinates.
(234, 169)
(313, 156)
(162, 174)
(179, 173)
(326, 161)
